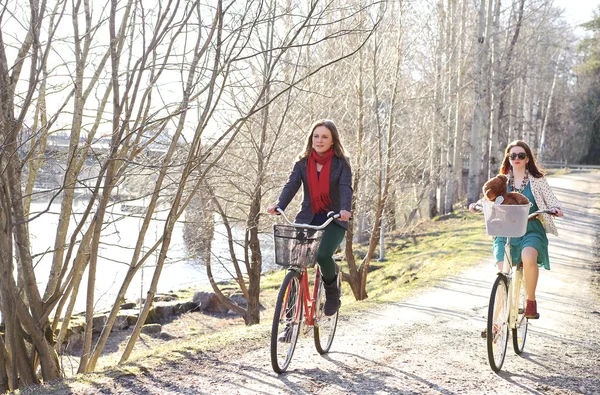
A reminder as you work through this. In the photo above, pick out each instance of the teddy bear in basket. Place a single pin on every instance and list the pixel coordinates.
(496, 190)
(501, 221)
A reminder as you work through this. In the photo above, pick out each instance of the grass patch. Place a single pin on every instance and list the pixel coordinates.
(435, 249)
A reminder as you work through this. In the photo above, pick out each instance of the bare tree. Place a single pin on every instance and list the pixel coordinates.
(385, 109)
(239, 195)
(456, 115)
(480, 111)
(28, 320)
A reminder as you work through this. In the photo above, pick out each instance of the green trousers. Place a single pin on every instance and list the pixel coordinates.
(332, 237)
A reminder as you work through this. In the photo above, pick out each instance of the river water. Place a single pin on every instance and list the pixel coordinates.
(116, 249)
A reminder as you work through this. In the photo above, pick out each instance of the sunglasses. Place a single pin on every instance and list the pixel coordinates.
(520, 155)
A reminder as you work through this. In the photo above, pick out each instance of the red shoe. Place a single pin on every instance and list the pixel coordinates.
(531, 310)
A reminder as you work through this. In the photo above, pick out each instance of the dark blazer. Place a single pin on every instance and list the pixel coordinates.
(340, 190)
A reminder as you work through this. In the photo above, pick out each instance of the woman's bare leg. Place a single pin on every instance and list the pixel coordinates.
(500, 265)
(531, 270)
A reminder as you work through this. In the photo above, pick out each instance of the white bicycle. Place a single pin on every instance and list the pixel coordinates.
(508, 299)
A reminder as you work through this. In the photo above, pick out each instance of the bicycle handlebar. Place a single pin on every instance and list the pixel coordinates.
(479, 207)
(548, 211)
(330, 217)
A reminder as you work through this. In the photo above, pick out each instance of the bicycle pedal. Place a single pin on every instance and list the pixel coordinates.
(484, 333)
(521, 311)
(306, 330)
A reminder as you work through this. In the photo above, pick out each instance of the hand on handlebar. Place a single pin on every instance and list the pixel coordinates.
(475, 207)
(345, 215)
(557, 211)
(272, 209)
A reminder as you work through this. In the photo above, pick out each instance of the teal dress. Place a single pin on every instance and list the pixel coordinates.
(534, 237)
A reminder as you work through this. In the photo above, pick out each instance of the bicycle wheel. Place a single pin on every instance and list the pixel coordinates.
(519, 332)
(324, 329)
(286, 322)
(497, 323)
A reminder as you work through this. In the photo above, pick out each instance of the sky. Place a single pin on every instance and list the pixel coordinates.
(578, 11)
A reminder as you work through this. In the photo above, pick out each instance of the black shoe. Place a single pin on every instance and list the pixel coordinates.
(286, 335)
(332, 298)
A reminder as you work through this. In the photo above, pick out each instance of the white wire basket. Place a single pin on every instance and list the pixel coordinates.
(505, 220)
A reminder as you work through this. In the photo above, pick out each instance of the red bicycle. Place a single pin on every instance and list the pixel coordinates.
(297, 307)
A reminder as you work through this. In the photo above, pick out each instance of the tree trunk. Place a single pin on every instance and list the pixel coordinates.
(444, 86)
(542, 146)
(507, 85)
(455, 177)
(486, 97)
(385, 153)
(495, 152)
(253, 313)
(4, 363)
(252, 226)
(353, 276)
(433, 156)
(480, 111)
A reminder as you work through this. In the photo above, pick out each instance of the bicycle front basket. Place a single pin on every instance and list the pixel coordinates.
(295, 246)
(505, 220)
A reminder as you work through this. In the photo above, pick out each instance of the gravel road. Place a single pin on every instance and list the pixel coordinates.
(430, 343)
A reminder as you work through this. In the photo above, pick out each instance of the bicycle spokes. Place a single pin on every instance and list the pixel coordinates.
(325, 326)
(289, 314)
(497, 325)
(286, 322)
(519, 331)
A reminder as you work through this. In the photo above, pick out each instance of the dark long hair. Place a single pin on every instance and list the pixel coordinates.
(531, 166)
(338, 148)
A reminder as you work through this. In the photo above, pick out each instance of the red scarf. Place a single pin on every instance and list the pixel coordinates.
(318, 186)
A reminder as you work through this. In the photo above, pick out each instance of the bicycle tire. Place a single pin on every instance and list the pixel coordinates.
(325, 326)
(519, 332)
(290, 296)
(497, 323)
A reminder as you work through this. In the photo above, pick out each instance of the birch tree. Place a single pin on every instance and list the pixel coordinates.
(480, 110)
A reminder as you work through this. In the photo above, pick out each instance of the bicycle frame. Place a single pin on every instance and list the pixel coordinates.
(509, 272)
(513, 289)
(310, 303)
(513, 292)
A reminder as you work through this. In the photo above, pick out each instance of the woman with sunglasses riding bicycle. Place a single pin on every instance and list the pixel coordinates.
(324, 170)
(526, 178)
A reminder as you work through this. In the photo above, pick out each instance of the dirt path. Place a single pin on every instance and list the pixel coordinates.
(431, 343)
